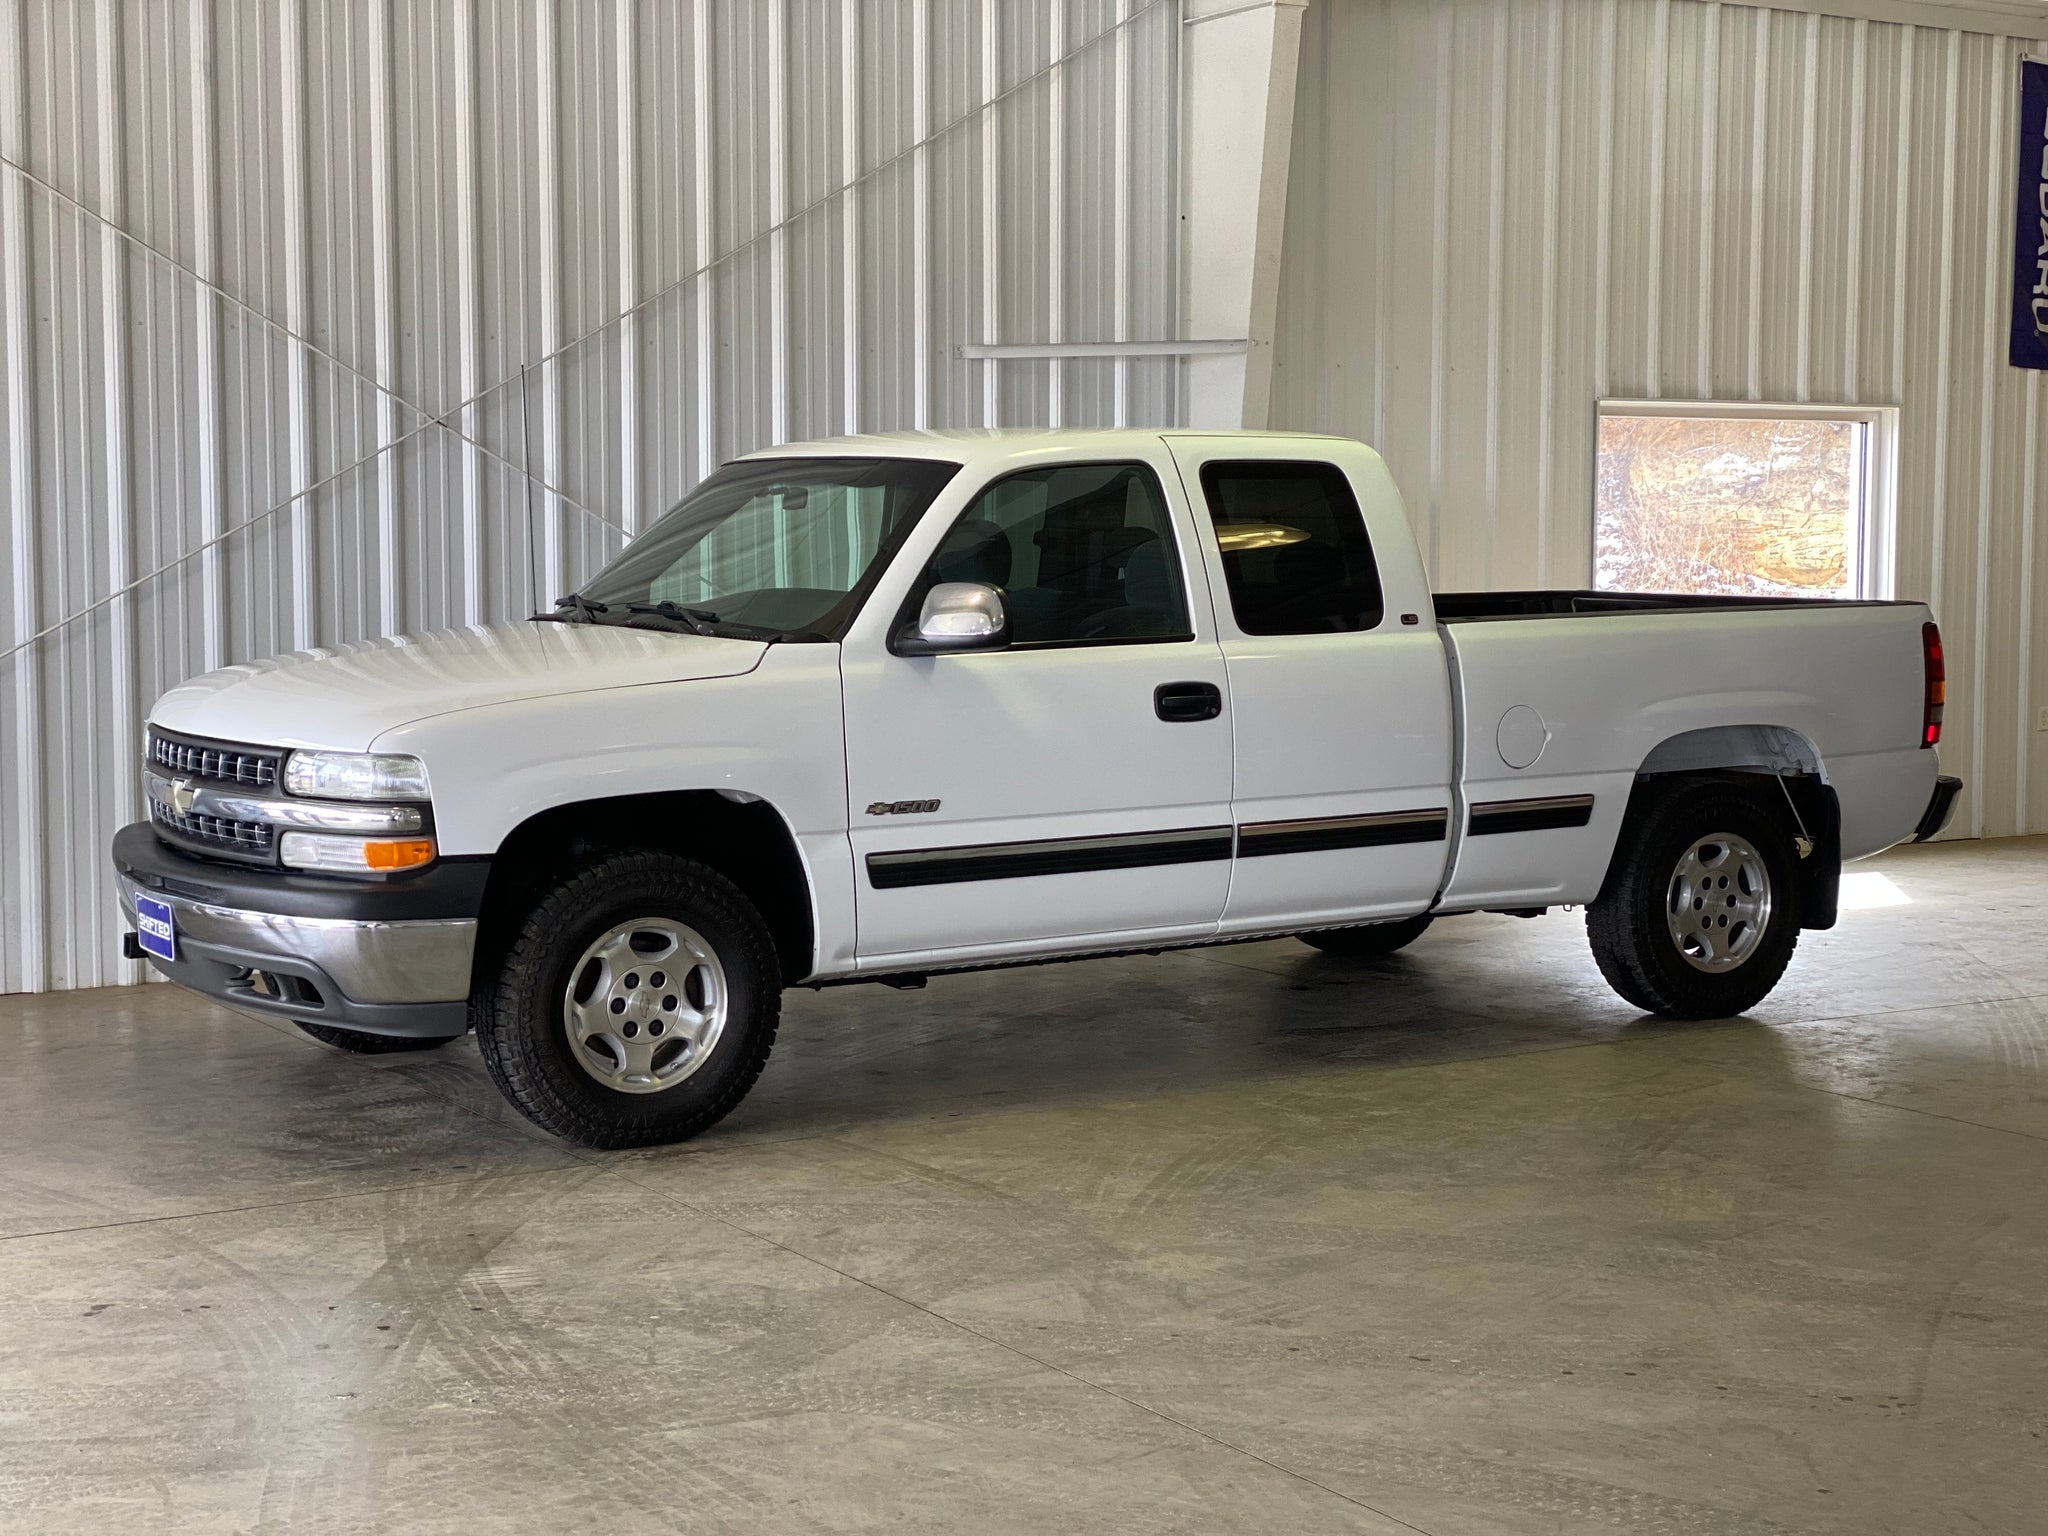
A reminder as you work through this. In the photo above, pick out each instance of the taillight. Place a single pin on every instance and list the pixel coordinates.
(1937, 684)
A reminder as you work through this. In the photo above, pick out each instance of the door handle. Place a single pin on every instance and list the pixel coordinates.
(1181, 703)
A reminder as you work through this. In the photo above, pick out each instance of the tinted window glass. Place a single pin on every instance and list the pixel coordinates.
(1081, 552)
(774, 544)
(1295, 553)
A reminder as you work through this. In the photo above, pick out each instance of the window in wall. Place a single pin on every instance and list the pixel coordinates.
(1744, 500)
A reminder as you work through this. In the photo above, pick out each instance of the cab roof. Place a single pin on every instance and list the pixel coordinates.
(971, 445)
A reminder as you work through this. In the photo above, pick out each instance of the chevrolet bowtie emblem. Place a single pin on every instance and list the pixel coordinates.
(182, 796)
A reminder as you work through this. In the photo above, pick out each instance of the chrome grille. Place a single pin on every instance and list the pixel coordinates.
(251, 838)
(219, 767)
(222, 764)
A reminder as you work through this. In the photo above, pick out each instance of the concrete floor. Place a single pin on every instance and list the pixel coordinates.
(1246, 1239)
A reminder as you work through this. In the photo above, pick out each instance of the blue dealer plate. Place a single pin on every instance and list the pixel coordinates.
(154, 929)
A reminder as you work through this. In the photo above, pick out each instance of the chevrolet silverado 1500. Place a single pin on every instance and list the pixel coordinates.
(880, 707)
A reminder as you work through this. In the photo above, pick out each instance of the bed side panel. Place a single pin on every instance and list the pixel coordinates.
(1581, 702)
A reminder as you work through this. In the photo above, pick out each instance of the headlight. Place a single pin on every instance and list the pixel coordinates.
(354, 855)
(355, 776)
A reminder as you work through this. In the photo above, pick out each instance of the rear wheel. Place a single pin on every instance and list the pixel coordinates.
(1699, 915)
(1368, 939)
(364, 1043)
(636, 1005)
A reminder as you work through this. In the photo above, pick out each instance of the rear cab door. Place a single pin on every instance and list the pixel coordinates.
(1340, 693)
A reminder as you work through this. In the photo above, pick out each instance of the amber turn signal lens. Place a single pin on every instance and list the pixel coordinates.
(398, 852)
(353, 855)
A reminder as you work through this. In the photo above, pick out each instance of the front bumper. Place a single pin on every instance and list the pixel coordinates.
(388, 958)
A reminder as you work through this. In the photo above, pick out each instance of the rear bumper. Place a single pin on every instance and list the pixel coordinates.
(1940, 806)
(390, 959)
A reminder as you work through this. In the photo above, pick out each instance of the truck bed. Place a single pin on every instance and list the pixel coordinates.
(1564, 697)
(1465, 607)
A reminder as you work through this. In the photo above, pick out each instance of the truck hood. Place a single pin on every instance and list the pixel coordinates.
(347, 696)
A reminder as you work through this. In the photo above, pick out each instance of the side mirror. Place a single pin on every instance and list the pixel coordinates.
(957, 616)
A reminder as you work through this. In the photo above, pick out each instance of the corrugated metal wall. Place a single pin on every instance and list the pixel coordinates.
(264, 239)
(1501, 211)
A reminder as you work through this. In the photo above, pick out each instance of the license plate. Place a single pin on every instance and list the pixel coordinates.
(154, 929)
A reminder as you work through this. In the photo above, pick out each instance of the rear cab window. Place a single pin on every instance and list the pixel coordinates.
(1296, 556)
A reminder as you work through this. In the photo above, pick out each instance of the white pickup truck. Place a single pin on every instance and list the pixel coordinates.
(870, 709)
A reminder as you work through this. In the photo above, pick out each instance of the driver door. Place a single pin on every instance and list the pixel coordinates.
(1074, 784)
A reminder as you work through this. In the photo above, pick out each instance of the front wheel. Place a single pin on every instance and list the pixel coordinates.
(1700, 912)
(636, 1006)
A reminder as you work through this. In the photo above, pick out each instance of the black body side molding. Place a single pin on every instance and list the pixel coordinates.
(1539, 815)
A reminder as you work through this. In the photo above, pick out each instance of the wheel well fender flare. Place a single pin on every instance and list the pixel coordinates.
(743, 837)
(1792, 759)
(1774, 749)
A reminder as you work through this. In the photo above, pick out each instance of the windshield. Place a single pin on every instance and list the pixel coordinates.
(786, 548)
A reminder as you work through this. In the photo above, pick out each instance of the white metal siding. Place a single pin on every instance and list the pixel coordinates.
(348, 219)
(1502, 211)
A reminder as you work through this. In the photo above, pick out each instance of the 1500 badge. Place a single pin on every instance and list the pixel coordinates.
(902, 807)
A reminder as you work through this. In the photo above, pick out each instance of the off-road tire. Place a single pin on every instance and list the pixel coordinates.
(518, 1014)
(1368, 939)
(363, 1043)
(1627, 924)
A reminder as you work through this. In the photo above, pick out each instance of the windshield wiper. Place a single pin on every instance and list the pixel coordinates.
(697, 620)
(702, 621)
(575, 609)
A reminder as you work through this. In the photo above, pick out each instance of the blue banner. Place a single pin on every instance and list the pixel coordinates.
(2030, 241)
